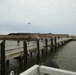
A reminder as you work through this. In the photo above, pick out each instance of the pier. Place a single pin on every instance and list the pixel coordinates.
(30, 45)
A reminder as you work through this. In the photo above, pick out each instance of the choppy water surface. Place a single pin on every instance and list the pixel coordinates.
(66, 56)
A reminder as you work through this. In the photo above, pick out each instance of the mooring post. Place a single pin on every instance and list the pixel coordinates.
(55, 43)
(38, 50)
(7, 63)
(3, 58)
(42, 51)
(25, 54)
(18, 43)
(46, 48)
(20, 62)
(31, 54)
(58, 44)
(51, 45)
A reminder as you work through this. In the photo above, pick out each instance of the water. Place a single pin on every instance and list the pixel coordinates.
(66, 56)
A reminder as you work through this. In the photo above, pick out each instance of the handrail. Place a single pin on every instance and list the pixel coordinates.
(42, 70)
(31, 71)
(33, 45)
(55, 71)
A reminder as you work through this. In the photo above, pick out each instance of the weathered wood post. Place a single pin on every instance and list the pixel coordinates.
(31, 54)
(20, 61)
(55, 43)
(18, 43)
(42, 51)
(38, 50)
(7, 63)
(46, 48)
(3, 58)
(51, 48)
(25, 54)
(58, 44)
(0, 58)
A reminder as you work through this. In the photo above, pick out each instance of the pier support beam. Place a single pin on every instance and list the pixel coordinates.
(46, 48)
(25, 54)
(3, 58)
(7, 63)
(20, 61)
(51, 48)
(38, 50)
(58, 44)
(42, 52)
(31, 54)
(55, 43)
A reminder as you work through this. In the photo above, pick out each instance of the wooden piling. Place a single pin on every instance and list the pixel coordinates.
(46, 48)
(31, 54)
(18, 43)
(55, 43)
(25, 54)
(20, 61)
(42, 52)
(51, 48)
(7, 63)
(3, 58)
(58, 45)
(38, 50)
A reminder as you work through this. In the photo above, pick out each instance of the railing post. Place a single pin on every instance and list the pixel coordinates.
(25, 54)
(3, 58)
(38, 50)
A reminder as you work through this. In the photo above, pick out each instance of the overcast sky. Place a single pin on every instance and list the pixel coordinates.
(45, 16)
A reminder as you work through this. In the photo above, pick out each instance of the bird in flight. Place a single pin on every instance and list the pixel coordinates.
(29, 23)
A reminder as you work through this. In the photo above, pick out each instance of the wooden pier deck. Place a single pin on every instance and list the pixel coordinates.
(31, 47)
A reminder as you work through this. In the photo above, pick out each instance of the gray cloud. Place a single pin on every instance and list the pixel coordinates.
(56, 16)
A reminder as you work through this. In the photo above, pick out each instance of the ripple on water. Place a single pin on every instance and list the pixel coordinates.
(66, 56)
